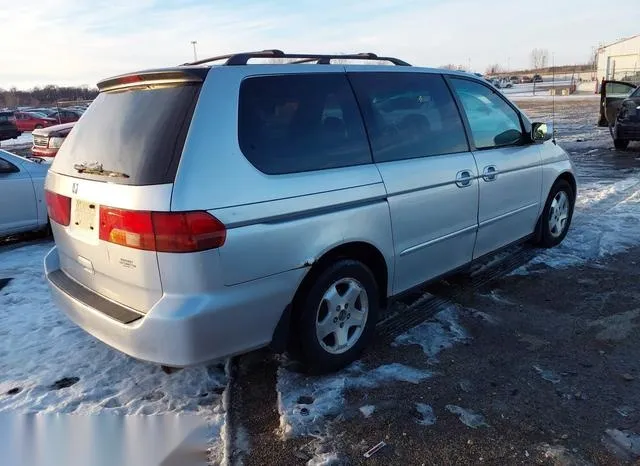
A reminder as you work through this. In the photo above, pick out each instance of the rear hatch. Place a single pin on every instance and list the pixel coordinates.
(111, 182)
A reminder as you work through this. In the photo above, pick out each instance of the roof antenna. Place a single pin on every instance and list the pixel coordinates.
(553, 97)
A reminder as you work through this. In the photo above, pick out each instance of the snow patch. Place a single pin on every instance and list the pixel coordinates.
(467, 417)
(59, 368)
(436, 336)
(367, 410)
(606, 221)
(547, 375)
(327, 393)
(623, 443)
(428, 417)
(324, 459)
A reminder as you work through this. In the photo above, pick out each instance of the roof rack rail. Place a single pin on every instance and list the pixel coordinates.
(243, 58)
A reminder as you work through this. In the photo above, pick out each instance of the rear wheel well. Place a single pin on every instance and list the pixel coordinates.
(363, 252)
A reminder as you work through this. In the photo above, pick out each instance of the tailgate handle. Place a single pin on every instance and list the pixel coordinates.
(86, 264)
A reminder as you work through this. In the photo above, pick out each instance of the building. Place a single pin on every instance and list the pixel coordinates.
(620, 60)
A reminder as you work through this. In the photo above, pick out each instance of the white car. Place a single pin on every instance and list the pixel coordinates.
(22, 199)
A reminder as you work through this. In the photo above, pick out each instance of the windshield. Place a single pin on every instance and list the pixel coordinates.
(136, 132)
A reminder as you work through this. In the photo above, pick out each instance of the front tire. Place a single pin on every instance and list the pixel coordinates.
(620, 144)
(557, 214)
(336, 316)
(37, 127)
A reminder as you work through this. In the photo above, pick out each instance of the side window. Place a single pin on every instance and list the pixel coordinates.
(621, 89)
(493, 122)
(409, 115)
(297, 123)
(7, 167)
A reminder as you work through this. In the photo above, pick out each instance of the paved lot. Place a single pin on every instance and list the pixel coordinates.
(532, 359)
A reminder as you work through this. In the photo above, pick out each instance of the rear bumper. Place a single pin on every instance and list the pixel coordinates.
(181, 330)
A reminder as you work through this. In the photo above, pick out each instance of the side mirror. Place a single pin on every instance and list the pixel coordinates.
(541, 132)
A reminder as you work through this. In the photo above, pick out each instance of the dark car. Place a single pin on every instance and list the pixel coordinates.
(626, 127)
(65, 116)
(612, 94)
(526, 80)
(47, 141)
(537, 78)
(8, 128)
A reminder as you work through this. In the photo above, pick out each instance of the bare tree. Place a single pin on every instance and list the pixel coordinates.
(539, 58)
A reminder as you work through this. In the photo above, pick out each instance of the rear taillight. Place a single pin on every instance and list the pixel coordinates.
(58, 207)
(161, 231)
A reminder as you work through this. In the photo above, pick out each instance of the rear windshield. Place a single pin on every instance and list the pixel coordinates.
(4, 116)
(135, 135)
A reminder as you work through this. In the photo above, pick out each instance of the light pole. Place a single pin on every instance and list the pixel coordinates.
(195, 54)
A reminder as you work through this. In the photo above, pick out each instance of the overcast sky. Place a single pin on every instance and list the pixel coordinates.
(82, 41)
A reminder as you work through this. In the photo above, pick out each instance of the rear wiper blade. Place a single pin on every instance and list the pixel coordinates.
(96, 169)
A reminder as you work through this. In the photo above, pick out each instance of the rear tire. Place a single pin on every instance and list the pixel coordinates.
(620, 144)
(557, 214)
(342, 304)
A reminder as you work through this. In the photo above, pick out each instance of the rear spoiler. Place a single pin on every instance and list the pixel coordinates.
(154, 77)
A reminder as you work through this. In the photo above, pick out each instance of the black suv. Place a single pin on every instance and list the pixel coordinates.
(8, 128)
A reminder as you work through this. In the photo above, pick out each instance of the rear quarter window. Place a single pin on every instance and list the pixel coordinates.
(298, 123)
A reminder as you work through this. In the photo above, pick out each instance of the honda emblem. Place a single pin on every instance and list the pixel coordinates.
(74, 188)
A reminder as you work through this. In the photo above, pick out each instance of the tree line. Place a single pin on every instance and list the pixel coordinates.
(47, 95)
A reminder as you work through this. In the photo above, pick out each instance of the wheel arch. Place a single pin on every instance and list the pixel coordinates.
(360, 251)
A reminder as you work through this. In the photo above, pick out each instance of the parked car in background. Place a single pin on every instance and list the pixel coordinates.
(612, 94)
(626, 127)
(356, 195)
(27, 121)
(537, 78)
(65, 116)
(515, 79)
(8, 127)
(526, 80)
(22, 198)
(47, 141)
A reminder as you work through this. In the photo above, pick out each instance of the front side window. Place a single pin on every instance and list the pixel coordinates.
(296, 123)
(618, 89)
(7, 167)
(409, 115)
(493, 122)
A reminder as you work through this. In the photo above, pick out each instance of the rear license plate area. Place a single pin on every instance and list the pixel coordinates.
(85, 217)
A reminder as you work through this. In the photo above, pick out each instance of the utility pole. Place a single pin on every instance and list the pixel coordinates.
(195, 54)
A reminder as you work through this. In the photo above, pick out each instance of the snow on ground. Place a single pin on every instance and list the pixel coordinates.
(22, 140)
(606, 221)
(427, 416)
(467, 417)
(49, 365)
(435, 335)
(305, 402)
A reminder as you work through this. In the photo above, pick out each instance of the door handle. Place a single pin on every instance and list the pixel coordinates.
(463, 178)
(489, 173)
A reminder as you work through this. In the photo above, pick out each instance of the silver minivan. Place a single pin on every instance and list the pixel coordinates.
(202, 211)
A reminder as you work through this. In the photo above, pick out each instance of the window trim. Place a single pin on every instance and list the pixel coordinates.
(351, 89)
(442, 76)
(526, 139)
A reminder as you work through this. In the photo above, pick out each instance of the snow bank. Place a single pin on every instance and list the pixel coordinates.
(48, 365)
(24, 139)
(606, 221)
